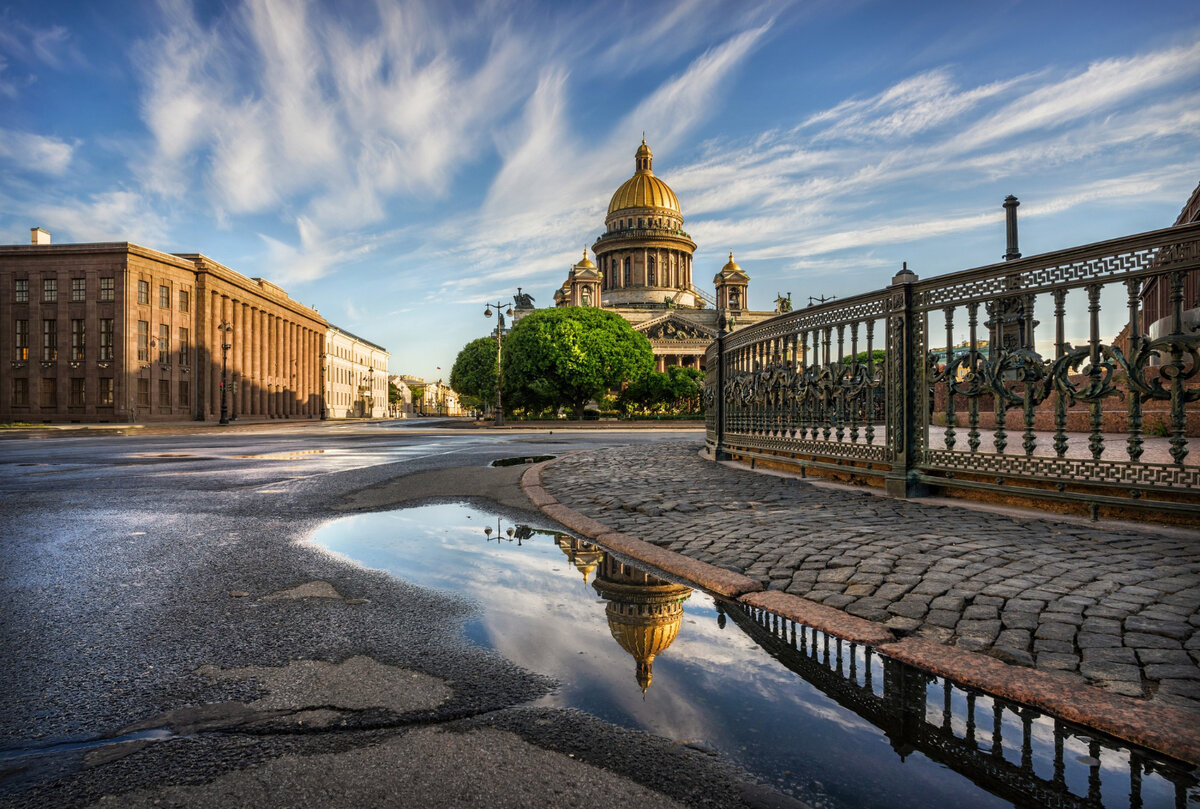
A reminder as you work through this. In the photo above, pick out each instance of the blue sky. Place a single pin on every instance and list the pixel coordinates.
(396, 164)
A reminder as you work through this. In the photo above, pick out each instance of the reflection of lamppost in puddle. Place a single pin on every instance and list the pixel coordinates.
(510, 531)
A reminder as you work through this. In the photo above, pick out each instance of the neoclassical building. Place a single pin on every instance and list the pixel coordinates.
(643, 272)
(118, 332)
(356, 384)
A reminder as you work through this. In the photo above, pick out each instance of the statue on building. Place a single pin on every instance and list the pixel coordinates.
(782, 304)
(523, 300)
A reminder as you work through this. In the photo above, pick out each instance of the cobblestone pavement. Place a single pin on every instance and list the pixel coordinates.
(1117, 607)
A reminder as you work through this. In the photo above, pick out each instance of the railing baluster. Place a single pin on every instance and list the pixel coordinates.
(950, 421)
(1096, 438)
(839, 381)
(1029, 443)
(825, 395)
(973, 402)
(1060, 350)
(1179, 449)
(1134, 441)
(870, 392)
(854, 391)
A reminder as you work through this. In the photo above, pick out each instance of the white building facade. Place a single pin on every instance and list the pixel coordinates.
(356, 377)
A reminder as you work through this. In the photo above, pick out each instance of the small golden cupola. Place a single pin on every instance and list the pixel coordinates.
(582, 287)
(732, 284)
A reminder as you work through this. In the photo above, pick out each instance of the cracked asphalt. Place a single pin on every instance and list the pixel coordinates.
(167, 638)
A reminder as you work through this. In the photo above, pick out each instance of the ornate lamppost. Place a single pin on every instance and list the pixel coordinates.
(226, 329)
(487, 312)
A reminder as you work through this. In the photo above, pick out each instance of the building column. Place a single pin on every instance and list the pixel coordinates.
(306, 365)
(291, 369)
(263, 366)
(272, 365)
(213, 344)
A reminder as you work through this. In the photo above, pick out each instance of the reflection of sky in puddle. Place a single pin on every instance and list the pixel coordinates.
(710, 684)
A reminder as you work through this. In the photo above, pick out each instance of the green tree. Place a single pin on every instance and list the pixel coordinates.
(569, 355)
(473, 376)
(395, 397)
(675, 391)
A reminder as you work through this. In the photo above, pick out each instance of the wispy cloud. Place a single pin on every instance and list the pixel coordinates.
(40, 154)
(111, 216)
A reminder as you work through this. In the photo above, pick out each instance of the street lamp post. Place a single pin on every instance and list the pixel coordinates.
(226, 329)
(487, 312)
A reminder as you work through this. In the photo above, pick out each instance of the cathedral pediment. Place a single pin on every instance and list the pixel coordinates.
(674, 326)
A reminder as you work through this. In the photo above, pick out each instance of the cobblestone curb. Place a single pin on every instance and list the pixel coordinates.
(987, 596)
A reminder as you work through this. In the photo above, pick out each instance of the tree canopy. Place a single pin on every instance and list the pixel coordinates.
(569, 355)
(678, 390)
(473, 376)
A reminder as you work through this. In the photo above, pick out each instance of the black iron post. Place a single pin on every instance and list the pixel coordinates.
(904, 388)
(225, 328)
(1010, 227)
(719, 453)
(487, 312)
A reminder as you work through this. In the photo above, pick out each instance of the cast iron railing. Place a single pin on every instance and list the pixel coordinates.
(949, 382)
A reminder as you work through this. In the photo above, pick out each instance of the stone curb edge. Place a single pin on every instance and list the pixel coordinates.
(1172, 732)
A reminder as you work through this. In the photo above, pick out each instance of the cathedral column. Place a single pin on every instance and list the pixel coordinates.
(214, 353)
(255, 365)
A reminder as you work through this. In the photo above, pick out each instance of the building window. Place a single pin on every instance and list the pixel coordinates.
(49, 397)
(77, 339)
(77, 392)
(164, 343)
(143, 341)
(106, 339)
(183, 344)
(164, 393)
(185, 393)
(107, 289)
(628, 272)
(164, 296)
(143, 292)
(650, 275)
(106, 391)
(185, 300)
(50, 290)
(22, 341)
(22, 291)
(49, 340)
(78, 290)
(143, 392)
(20, 391)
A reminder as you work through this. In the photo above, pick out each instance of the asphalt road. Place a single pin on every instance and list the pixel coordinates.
(167, 639)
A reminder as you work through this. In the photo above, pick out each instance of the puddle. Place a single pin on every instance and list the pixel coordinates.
(828, 722)
(282, 456)
(522, 459)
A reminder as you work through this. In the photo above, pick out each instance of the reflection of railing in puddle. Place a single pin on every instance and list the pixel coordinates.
(921, 712)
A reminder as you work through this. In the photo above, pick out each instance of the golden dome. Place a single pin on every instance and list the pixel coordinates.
(643, 189)
(586, 264)
(730, 270)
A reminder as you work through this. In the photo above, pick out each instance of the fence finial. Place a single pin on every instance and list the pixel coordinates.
(1010, 222)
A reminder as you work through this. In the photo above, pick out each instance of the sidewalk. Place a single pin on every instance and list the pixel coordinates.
(1114, 606)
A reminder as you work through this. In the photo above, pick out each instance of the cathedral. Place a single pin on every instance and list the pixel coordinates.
(643, 272)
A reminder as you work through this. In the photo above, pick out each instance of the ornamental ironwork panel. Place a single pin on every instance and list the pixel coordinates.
(1081, 365)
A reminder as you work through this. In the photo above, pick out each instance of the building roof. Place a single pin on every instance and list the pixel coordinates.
(1191, 209)
(354, 336)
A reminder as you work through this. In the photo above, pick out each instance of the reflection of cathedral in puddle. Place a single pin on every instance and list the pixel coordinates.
(644, 612)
